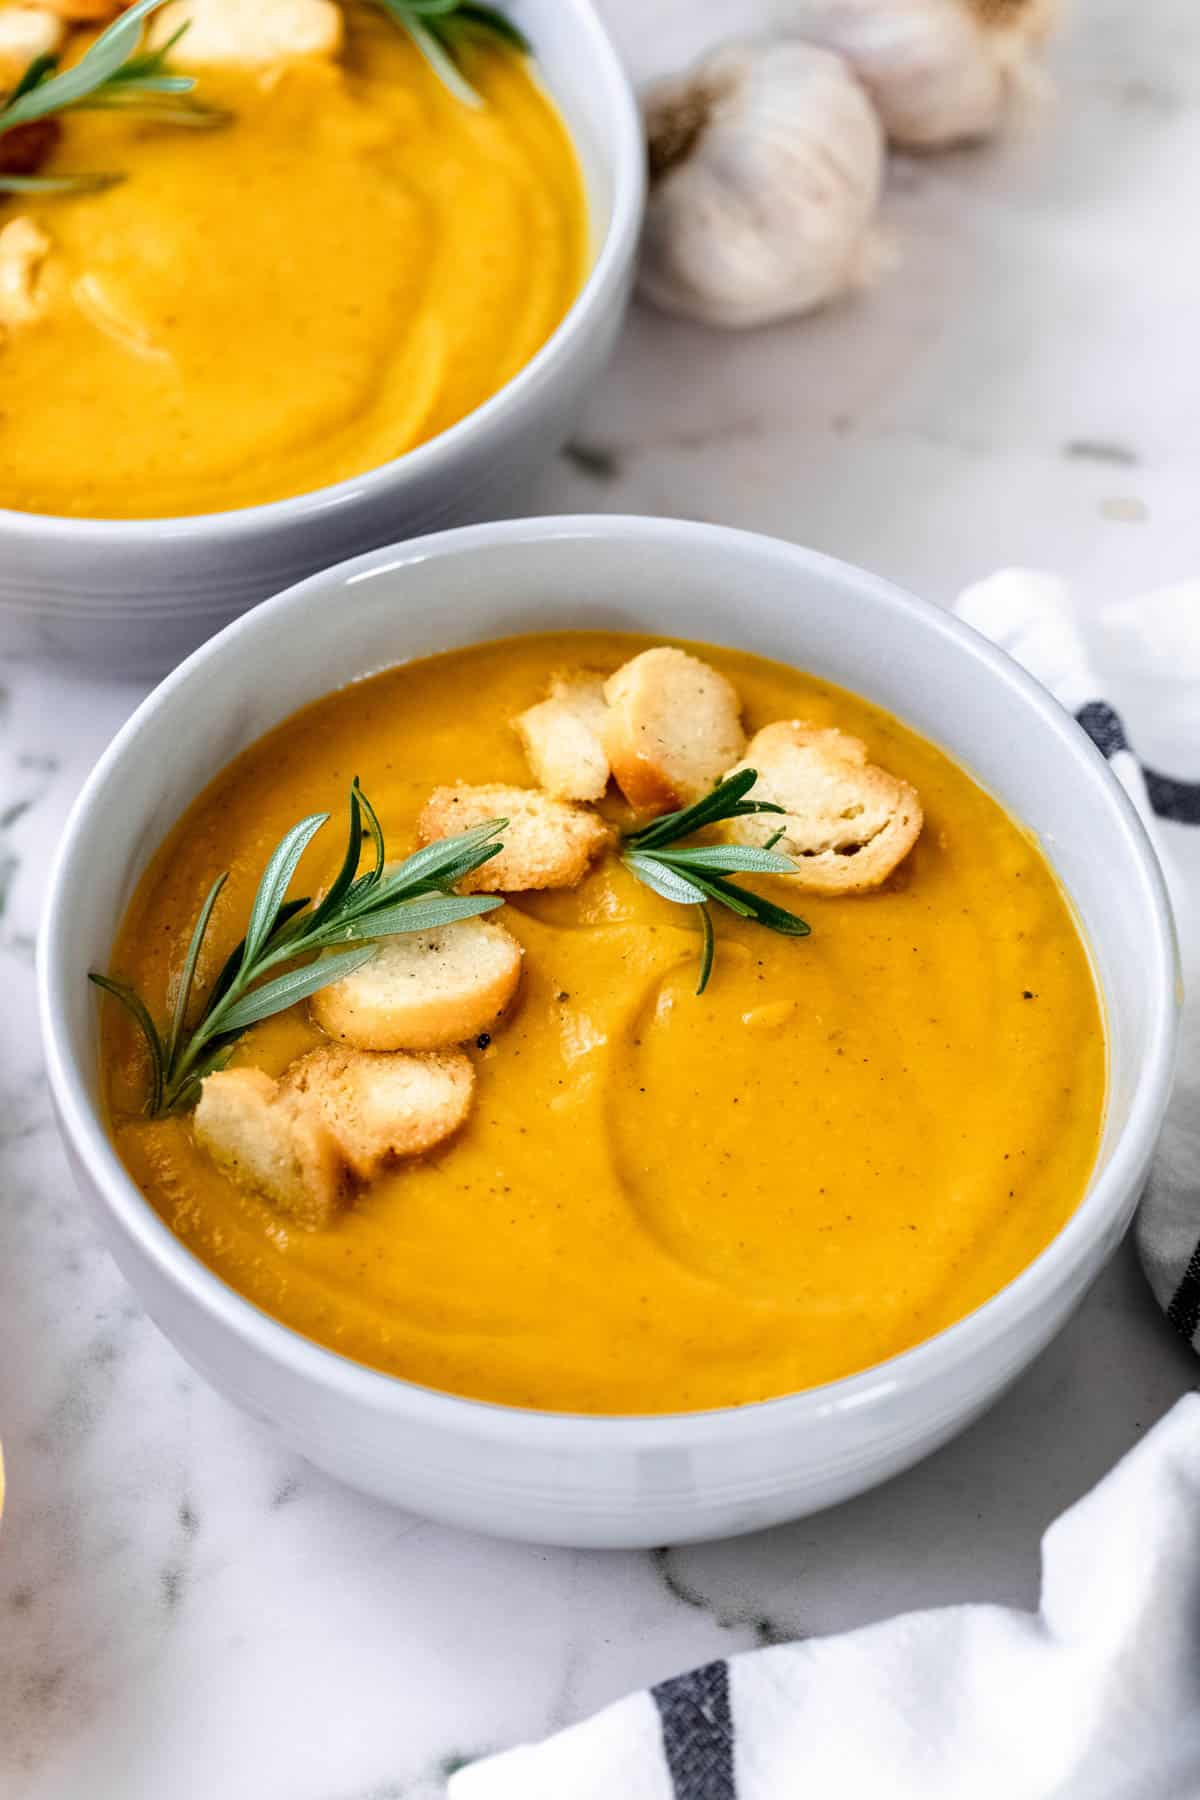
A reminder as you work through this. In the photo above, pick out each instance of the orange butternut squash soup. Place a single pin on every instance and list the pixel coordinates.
(519, 1156)
(344, 260)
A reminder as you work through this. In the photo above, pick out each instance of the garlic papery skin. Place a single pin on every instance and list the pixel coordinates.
(765, 168)
(940, 72)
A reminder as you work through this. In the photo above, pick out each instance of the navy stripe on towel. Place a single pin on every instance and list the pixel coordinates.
(697, 1729)
(1103, 726)
(1184, 1310)
(1171, 799)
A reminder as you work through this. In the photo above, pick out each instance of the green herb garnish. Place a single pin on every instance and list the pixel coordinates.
(357, 909)
(439, 28)
(115, 74)
(697, 876)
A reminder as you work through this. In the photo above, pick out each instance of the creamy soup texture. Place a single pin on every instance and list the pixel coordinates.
(351, 266)
(660, 1202)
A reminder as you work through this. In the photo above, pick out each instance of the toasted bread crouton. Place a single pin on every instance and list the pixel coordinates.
(673, 725)
(547, 843)
(563, 737)
(236, 31)
(270, 1142)
(380, 1107)
(27, 148)
(26, 32)
(24, 247)
(424, 990)
(847, 823)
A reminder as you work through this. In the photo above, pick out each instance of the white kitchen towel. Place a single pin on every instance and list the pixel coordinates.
(1097, 1695)
(1154, 645)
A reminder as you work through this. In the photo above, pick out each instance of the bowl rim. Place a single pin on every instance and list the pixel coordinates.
(395, 1396)
(627, 168)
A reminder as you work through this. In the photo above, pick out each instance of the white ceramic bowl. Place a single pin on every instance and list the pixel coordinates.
(553, 1477)
(133, 597)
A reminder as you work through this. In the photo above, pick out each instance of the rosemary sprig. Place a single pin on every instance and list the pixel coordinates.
(358, 909)
(439, 29)
(698, 876)
(114, 74)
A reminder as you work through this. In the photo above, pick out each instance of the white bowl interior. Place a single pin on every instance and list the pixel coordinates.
(555, 1477)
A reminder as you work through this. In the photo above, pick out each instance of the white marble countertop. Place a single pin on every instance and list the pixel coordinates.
(182, 1611)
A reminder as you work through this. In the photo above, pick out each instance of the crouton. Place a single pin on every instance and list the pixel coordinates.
(672, 725)
(26, 32)
(563, 737)
(424, 990)
(846, 822)
(547, 843)
(24, 247)
(269, 1141)
(27, 148)
(380, 1107)
(232, 31)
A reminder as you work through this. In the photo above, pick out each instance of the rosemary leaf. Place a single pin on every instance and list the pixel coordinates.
(374, 831)
(663, 880)
(491, 20)
(276, 879)
(135, 1005)
(114, 74)
(436, 54)
(735, 901)
(57, 184)
(727, 801)
(358, 910)
(35, 73)
(708, 950)
(188, 115)
(745, 859)
(763, 912)
(217, 1058)
(188, 975)
(438, 28)
(697, 874)
(233, 962)
(425, 913)
(50, 93)
(344, 879)
(441, 863)
(276, 996)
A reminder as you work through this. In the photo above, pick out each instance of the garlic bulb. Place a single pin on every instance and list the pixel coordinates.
(765, 169)
(939, 71)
